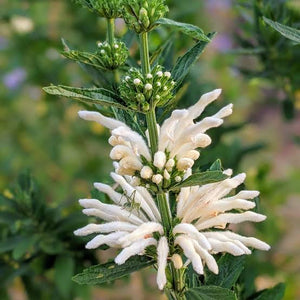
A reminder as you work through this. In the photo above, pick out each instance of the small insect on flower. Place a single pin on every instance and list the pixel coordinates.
(131, 204)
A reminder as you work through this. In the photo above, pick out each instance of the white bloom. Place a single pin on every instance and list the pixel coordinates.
(22, 24)
(207, 207)
(179, 136)
(128, 226)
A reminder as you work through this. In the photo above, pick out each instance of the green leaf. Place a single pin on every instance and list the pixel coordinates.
(64, 270)
(188, 29)
(87, 58)
(288, 32)
(209, 292)
(230, 268)
(185, 62)
(98, 96)
(10, 243)
(24, 246)
(200, 179)
(110, 271)
(275, 293)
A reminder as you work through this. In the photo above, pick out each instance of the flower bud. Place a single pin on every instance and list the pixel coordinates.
(139, 90)
(141, 15)
(109, 57)
(184, 163)
(178, 179)
(166, 175)
(170, 164)
(177, 261)
(157, 179)
(110, 9)
(146, 172)
(159, 159)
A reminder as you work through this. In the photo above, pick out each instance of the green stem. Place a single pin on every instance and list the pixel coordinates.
(111, 31)
(164, 209)
(150, 116)
(152, 129)
(144, 46)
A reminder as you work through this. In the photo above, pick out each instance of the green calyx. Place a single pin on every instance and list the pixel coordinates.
(141, 15)
(110, 9)
(112, 56)
(142, 92)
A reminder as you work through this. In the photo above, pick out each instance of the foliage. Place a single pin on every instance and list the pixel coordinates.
(274, 51)
(37, 238)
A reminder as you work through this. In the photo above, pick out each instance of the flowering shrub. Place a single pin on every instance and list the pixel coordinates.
(162, 210)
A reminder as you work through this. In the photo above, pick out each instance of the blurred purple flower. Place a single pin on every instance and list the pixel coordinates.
(222, 42)
(213, 5)
(15, 78)
(3, 43)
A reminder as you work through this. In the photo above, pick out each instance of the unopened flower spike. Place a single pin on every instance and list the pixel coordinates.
(111, 56)
(141, 92)
(141, 15)
(110, 9)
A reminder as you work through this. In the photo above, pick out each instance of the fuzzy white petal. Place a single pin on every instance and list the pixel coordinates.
(189, 251)
(191, 231)
(162, 255)
(142, 231)
(134, 249)
(110, 240)
(105, 228)
(232, 218)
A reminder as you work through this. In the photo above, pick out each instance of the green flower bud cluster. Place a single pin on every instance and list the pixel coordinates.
(110, 9)
(141, 15)
(162, 173)
(112, 57)
(139, 91)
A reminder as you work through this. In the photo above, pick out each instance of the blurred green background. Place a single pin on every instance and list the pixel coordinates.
(66, 155)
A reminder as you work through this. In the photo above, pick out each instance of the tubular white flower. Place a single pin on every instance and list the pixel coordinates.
(179, 136)
(134, 249)
(162, 256)
(191, 231)
(145, 229)
(99, 118)
(201, 208)
(105, 228)
(134, 223)
(189, 251)
(109, 240)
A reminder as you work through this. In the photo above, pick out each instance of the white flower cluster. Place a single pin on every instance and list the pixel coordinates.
(134, 223)
(178, 140)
